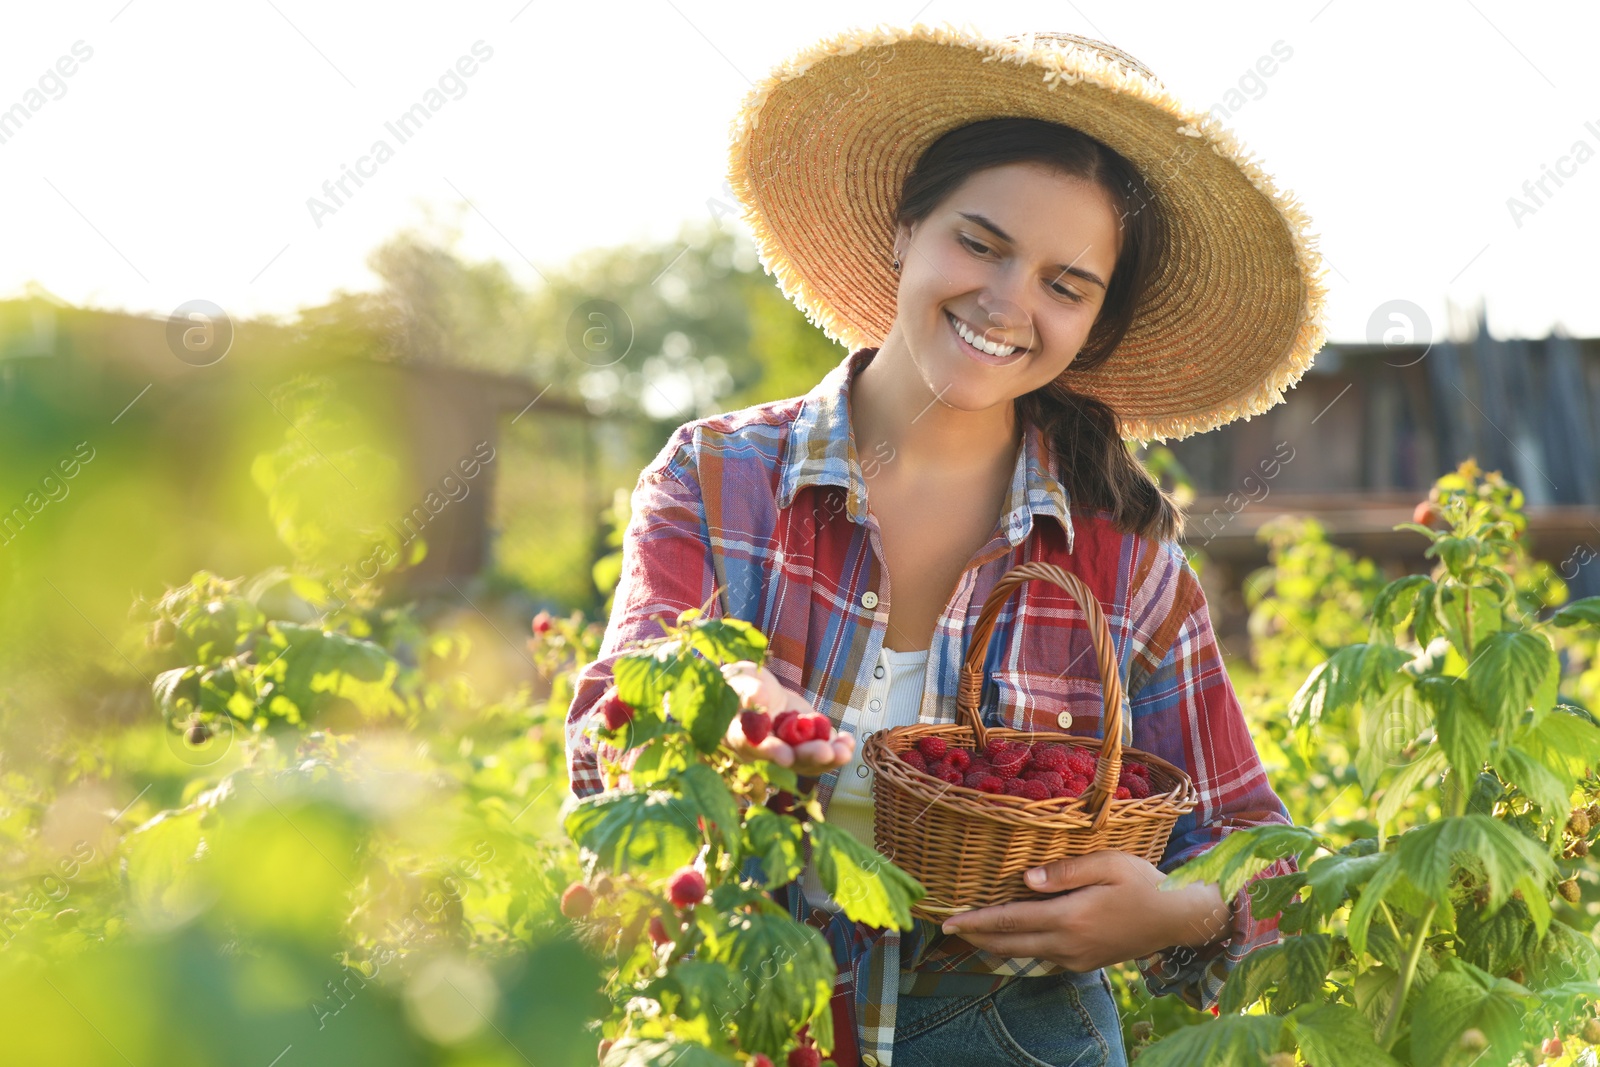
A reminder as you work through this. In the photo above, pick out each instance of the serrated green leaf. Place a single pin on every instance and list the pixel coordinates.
(309, 669)
(1463, 732)
(704, 702)
(1251, 979)
(1332, 880)
(1497, 941)
(663, 1052)
(1407, 783)
(1231, 1039)
(1450, 1004)
(728, 640)
(1351, 675)
(702, 989)
(784, 972)
(650, 833)
(1584, 612)
(1380, 880)
(644, 677)
(1566, 742)
(861, 881)
(1562, 955)
(1506, 671)
(1393, 722)
(1429, 853)
(1535, 780)
(1336, 1035)
(1397, 601)
(1307, 957)
(1451, 603)
(703, 790)
(777, 841)
(1241, 855)
(1267, 896)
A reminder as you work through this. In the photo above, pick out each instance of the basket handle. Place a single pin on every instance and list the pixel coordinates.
(970, 692)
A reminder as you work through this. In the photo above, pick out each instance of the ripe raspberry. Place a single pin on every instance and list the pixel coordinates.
(756, 726)
(1081, 763)
(781, 802)
(1123, 793)
(1076, 786)
(805, 1057)
(933, 748)
(916, 759)
(938, 768)
(541, 623)
(948, 774)
(789, 728)
(995, 747)
(981, 764)
(1009, 763)
(1050, 757)
(960, 759)
(1052, 779)
(687, 887)
(1015, 787)
(821, 726)
(577, 901)
(1137, 787)
(1034, 789)
(985, 782)
(658, 931)
(1138, 770)
(616, 713)
(758, 1060)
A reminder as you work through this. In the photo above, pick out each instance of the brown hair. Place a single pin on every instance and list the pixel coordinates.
(1097, 467)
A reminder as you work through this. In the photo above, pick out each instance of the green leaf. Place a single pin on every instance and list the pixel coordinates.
(1228, 1040)
(1585, 612)
(1463, 733)
(644, 677)
(1525, 772)
(1398, 600)
(1267, 896)
(1451, 602)
(1407, 783)
(1332, 879)
(1562, 955)
(1384, 876)
(659, 760)
(703, 790)
(776, 840)
(1456, 552)
(1566, 742)
(1308, 957)
(1429, 853)
(704, 702)
(1241, 855)
(728, 640)
(1505, 673)
(1351, 675)
(1253, 977)
(1497, 941)
(663, 1052)
(1336, 1035)
(1393, 723)
(784, 972)
(309, 669)
(703, 989)
(1455, 1001)
(650, 833)
(867, 886)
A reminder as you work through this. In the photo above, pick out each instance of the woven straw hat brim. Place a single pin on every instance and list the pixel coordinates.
(822, 146)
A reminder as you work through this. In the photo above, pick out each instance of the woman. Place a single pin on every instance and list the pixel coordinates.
(1018, 297)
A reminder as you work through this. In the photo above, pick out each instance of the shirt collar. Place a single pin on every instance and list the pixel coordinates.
(822, 451)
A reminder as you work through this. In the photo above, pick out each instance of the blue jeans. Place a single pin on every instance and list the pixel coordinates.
(1062, 1020)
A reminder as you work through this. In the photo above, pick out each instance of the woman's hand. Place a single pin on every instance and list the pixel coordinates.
(1112, 912)
(759, 690)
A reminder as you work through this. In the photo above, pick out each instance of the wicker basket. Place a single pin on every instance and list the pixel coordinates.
(970, 849)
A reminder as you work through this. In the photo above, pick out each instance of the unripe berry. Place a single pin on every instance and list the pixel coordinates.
(1591, 1030)
(1569, 890)
(1551, 1047)
(658, 931)
(541, 623)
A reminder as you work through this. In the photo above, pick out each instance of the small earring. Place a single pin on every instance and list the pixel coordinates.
(897, 264)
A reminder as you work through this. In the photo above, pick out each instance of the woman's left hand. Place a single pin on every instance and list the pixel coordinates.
(1109, 911)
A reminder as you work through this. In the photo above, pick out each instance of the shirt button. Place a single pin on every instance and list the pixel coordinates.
(869, 1060)
(1064, 720)
(876, 705)
(877, 672)
(869, 600)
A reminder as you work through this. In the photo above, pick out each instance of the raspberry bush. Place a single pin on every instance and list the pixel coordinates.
(680, 855)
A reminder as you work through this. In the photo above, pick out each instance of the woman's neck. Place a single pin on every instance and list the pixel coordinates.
(891, 404)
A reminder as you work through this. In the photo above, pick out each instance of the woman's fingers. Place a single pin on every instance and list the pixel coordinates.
(757, 687)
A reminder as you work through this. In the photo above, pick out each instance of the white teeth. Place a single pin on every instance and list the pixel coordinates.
(978, 342)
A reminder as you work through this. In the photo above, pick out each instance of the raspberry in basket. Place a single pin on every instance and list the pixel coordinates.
(1123, 792)
(915, 758)
(1137, 787)
(1049, 757)
(933, 748)
(985, 782)
(1076, 786)
(947, 773)
(995, 747)
(1009, 763)
(960, 759)
(1081, 763)
(1052, 780)
(1137, 769)
(1034, 789)
(1016, 787)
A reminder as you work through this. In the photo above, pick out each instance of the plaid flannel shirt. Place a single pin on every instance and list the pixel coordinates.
(766, 509)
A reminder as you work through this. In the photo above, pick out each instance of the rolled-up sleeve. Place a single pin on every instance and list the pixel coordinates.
(1187, 712)
(666, 569)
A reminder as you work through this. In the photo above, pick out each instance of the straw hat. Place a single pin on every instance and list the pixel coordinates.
(822, 147)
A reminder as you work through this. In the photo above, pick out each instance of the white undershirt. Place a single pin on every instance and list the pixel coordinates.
(894, 699)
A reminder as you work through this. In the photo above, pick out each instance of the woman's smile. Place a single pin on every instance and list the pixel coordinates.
(985, 351)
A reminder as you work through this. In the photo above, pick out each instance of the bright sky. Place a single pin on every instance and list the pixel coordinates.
(175, 162)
